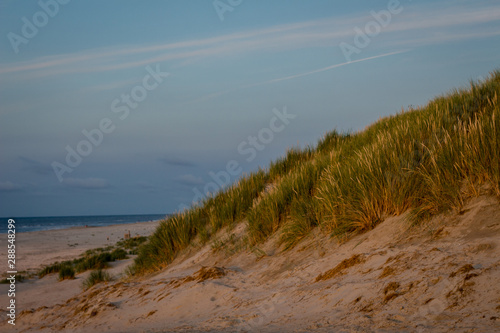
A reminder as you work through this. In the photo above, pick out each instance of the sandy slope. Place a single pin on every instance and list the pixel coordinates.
(444, 277)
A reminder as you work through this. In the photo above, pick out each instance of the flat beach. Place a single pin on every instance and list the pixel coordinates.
(37, 249)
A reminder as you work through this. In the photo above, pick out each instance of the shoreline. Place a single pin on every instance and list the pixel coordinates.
(77, 224)
(76, 227)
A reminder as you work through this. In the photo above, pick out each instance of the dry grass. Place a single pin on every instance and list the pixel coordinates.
(390, 291)
(388, 270)
(209, 273)
(483, 247)
(340, 268)
(203, 274)
(392, 286)
(464, 269)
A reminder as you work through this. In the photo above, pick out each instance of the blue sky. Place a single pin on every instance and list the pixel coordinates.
(203, 78)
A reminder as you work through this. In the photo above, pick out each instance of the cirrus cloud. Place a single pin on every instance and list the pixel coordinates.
(87, 183)
(10, 187)
(415, 26)
(190, 180)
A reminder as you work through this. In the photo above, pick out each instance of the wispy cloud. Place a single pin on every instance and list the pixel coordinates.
(35, 166)
(113, 85)
(412, 23)
(432, 17)
(439, 38)
(147, 186)
(87, 183)
(10, 187)
(176, 161)
(190, 180)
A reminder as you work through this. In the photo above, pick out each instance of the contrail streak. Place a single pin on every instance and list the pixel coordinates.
(324, 69)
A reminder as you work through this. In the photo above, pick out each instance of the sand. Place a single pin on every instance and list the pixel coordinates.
(40, 248)
(443, 276)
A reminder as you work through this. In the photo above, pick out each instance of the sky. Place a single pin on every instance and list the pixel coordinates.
(127, 107)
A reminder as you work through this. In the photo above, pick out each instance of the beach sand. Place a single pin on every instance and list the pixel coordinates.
(37, 249)
(443, 276)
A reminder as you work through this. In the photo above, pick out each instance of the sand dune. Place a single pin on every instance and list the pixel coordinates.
(441, 277)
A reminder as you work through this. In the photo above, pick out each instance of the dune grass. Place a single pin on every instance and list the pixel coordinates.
(203, 220)
(92, 259)
(132, 244)
(425, 160)
(66, 273)
(96, 277)
(99, 261)
(19, 278)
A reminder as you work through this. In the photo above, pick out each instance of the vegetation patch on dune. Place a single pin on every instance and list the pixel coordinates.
(93, 259)
(66, 273)
(425, 160)
(96, 277)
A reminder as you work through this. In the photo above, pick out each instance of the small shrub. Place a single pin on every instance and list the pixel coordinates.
(66, 273)
(118, 254)
(130, 270)
(54, 268)
(96, 277)
(132, 243)
(97, 261)
(19, 278)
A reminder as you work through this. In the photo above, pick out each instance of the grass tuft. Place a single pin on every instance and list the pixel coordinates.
(96, 277)
(340, 268)
(66, 273)
(92, 259)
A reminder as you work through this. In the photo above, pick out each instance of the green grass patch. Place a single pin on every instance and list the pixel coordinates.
(132, 244)
(96, 277)
(203, 220)
(92, 259)
(66, 273)
(19, 278)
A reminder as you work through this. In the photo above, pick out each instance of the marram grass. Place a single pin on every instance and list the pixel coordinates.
(424, 160)
(96, 277)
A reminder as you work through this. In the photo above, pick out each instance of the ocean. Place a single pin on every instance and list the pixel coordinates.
(26, 224)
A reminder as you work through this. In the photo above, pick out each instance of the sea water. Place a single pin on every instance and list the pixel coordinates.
(26, 224)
